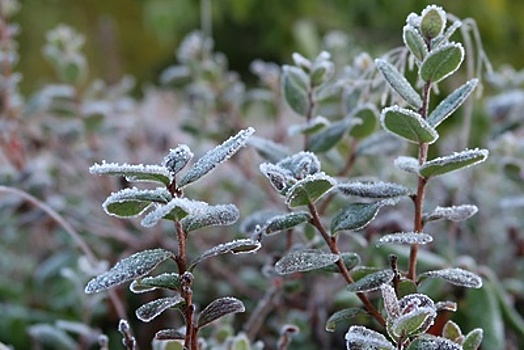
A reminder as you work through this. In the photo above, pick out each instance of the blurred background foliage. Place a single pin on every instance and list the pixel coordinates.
(139, 36)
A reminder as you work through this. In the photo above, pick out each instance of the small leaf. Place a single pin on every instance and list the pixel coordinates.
(300, 165)
(350, 260)
(279, 177)
(219, 308)
(295, 86)
(433, 343)
(238, 246)
(169, 334)
(285, 222)
(405, 238)
(451, 103)
(309, 190)
(177, 159)
(453, 162)
(166, 280)
(210, 215)
(473, 339)
(399, 83)
(412, 322)
(375, 190)
(151, 310)
(407, 164)
(343, 315)
(408, 125)
(452, 331)
(432, 22)
(152, 173)
(390, 301)
(216, 156)
(368, 116)
(175, 210)
(131, 202)
(128, 269)
(372, 281)
(454, 213)
(361, 338)
(441, 62)
(456, 276)
(415, 42)
(305, 260)
(327, 138)
(355, 216)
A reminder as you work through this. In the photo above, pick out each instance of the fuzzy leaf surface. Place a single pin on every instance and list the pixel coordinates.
(453, 162)
(355, 216)
(239, 246)
(128, 269)
(285, 222)
(210, 215)
(295, 85)
(175, 210)
(214, 157)
(390, 301)
(151, 310)
(305, 260)
(166, 280)
(407, 164)
(350, 260)
(451, 103)
(408, 125)
(415, 42)
(169, 334)
(456, 276)
(219, 308)
(309, 190)
(405, 238)
(375, 190)
(343, 315)
(411, 322)
(454, 213)
(151, 173)
(441, 62)
(362, 338)
(372, 281)
(433, 343)
(177, 159)
(131, 202)
(399, 83)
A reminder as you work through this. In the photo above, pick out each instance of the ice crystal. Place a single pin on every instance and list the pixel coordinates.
(151, 310)
(405, 238)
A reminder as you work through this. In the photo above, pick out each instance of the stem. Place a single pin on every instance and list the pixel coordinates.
(333, 247)
(310, 112)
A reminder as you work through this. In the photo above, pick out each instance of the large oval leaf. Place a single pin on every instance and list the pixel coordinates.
(456, 276)
(132, 202)
(128, 269)
(151, 173)
(295, 86)
(441, 62)
(309, 190)
(219, 308)
(399, 83)
(151, 310)
(355, 216)
(375, 190)
(368, 117)
(371, 282)
(451, 103)
(456, 161)
(412, 321)
(210, 215)
(408, 125)
(305, 260)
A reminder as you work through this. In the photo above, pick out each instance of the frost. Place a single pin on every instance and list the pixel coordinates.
(399, 83)
(140, 172)
(377, 190)
(433, 343)
(176, 209)
(219, 308)
(305, 260)
(456, 276)
(285, 221)
(441, 62)
(147, 284)
(415, 321)
(407, 164)
(453, 162)
(279, 177)
(216, 156)
(128, 269)
(238, 246)
(309, 190)
(451, 103)
(390, 301)
(313, 125)
(169, 334)
(301, 61)
(131, 202)
(355, 216)
(342, 315)
(454, 213)
(407, 125)
(361, 338)
(177, 158)
(300, 165)
(405, 238)
(151, 310)
(371, 282)
(210, 215)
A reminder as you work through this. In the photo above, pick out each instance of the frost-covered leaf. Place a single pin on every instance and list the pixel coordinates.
(321, 72)
(381, 144)
(451, 103)
(311, 126)
(405, 238)
(210, 215)
(132, 202)
(372, 281)
(177, 159)
(390, 301)
(152, 173)
(295, 86)
(446, 306)
(300, 165)
(256, 220)
(305, 260)
(452, 331)
(375, 190)
(433, 343)
(415, 42)
(350, 260)
(309, 190)
(362, 338)
(407, 164)
(355, 216)
(151, 310)
(399, 83)
(219, 308)
(279, 177)
(454, 213)
(175, 210)
(432, 22)
(453, 162)
(166, 280)
(343, 315)
(238, 246)
(456, 276)
(408, 125)
(214, 157)
(473, 339)
(169, 334)
(128, 269)
(285, 222)
(412, 322)
(368, 117)
(268, 149)
(328, 137)
(441, 62)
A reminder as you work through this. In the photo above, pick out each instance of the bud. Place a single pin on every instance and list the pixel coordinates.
(433, 22)
(177, 158)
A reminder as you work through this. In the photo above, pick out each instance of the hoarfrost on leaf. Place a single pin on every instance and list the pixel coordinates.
(210, 215)
(451, 103)
(427, 342)
(305, 260)
(407, 164)
(300, 165)
(414, 321)
(341, 316)
(152, 173)
(362, 338)
(372, 282)
(238, 246)
(177, 159)
(309, 190)
(456, 276)
(175, 210)
(441, 62)
(128, 269)
(131, 202)
(399, 83)
(279, 177)
(350, 260)
(311, 126)
(453, 162)
(219, 308)
(376, 190)
(146, 284)
(216, 156)
(390, 301)
(285, 222)
(407, 125)
(454, 213)
(355, 216)
(151, 310)
(405, 238)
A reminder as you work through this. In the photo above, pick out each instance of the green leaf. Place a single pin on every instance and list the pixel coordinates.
(407, 125)
(473, 339)
(452, 331)
(151, 173)
(238, 246)
(151, 310)
(454, 213)
(310, 127)
(305, 260)
(433, 343)
(456, 276)
(372, 281)
(296, 85)
(433, 22)
(169, 334)
(214, 157)
(132, 202)
(362, 338)
(350, 260)
(375, 190)
(219, 308)
(415, 42)
(368, 115)
(410, 323)
(328, 137)
(52, 337)
(175, 210)
(342, 316)
(453, 162)
(309, 190)
(285, 222)
(355, 216)
(399, 83)
(405, 238)
(441, 62)
(451, 103)
(210, 215)
(169, 281)
(128, 269)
